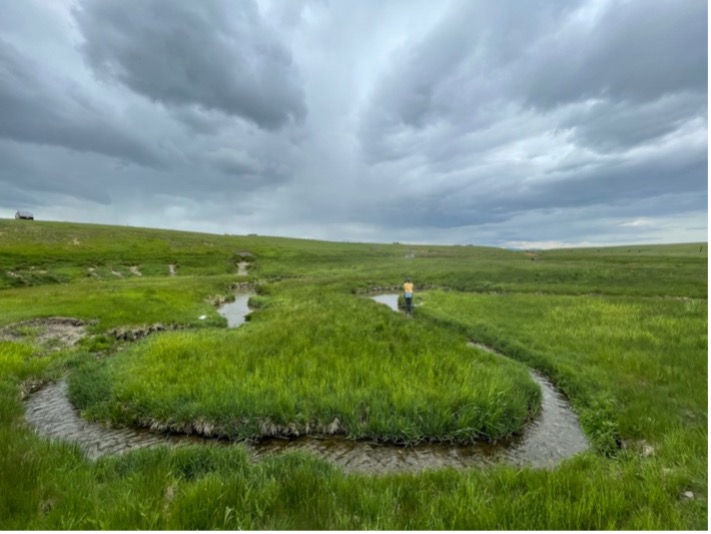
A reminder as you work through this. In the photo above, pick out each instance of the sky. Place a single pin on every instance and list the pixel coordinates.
(507, 123)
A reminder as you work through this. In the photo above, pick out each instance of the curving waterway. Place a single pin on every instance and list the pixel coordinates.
(553, 436)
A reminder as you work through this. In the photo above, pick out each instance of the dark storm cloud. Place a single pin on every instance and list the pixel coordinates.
(248, 173)
(463, 71)
(553, 121)
(45, 169)
(636, 51)
(608, 126)
(213, 54)
(618, 182)
(36, 108)
(201, 121)
(681, 171)
(479, 66)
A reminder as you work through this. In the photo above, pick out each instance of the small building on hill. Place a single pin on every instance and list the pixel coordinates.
(24, 215)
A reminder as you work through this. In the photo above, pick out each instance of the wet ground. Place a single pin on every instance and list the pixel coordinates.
(389, 299)
(52, 415)
(544, 443)
(553, 436)
(242, 268)
(51, 333)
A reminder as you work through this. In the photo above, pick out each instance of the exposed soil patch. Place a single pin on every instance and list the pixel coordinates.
(52, 333)
(133, 334)
(242, 268)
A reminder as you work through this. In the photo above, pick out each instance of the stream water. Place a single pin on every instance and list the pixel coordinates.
(236, 312)
(553, 436)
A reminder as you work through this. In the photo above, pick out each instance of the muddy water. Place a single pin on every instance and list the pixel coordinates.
(553, 436)
(52, 415)
(389, 299)
(236, 312)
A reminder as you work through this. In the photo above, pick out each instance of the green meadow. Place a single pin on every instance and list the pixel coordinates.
(621, 331)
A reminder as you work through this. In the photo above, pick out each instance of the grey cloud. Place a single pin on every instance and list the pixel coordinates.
(637, 51)
(608, 182)
(201, 121)
(213, 54)
(37, 109)
(467, 56)
(622, 181)
(247, 172)
(47, 169)
(480, 65)
(611, 126)
(456, 122)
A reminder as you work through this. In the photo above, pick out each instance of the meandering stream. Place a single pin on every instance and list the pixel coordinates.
(553, 436)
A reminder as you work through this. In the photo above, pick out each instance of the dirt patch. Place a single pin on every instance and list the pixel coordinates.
(242, 268)
(52, 333)
(219, 300)
(244, 285)
(133, 334)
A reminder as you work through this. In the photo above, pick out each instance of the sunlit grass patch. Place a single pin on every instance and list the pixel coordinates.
(318, 364)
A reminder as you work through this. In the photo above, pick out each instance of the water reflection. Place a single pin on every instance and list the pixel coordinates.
(236, 312)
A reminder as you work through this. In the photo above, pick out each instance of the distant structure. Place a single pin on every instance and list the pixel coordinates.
(24, 215)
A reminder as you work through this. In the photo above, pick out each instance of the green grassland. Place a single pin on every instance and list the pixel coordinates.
(621, 330)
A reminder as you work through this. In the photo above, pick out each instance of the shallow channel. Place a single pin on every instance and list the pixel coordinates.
(553, 436)
(236, 312)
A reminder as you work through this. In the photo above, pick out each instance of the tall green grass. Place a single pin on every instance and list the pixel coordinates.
(634, 367)
(315, 363)
(117, 303)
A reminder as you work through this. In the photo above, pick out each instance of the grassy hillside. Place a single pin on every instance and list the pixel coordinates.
(622, 331)
(38, 253)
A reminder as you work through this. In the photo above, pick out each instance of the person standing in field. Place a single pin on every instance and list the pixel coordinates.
(408, 289)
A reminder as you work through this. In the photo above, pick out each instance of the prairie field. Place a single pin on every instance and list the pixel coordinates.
(620, 331)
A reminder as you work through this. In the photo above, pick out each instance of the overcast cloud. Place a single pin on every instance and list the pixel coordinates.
(494, 122)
